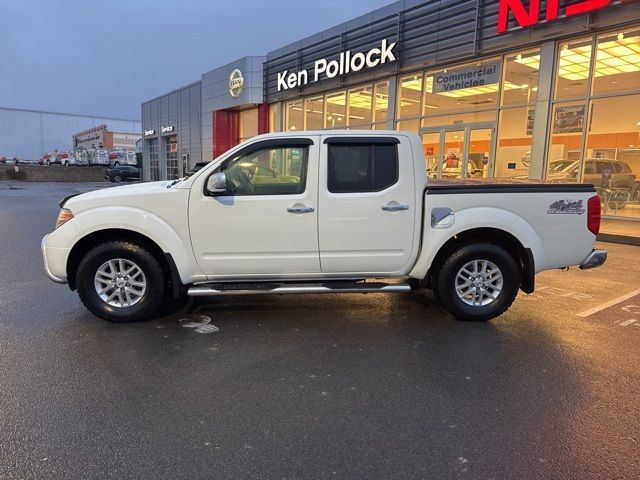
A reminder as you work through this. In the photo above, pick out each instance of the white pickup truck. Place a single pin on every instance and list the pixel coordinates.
(318, 212)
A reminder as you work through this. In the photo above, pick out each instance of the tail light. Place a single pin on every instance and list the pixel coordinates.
(593, 215)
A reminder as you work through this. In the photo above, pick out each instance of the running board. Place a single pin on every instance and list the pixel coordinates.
(213, 290)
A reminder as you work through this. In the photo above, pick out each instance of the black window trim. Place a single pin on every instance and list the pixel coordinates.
(374, 144)
(288, 142)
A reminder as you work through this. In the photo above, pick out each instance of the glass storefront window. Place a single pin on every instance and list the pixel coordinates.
(381, 105)
(294, 116)
(463, 88)
(314, 112)
(360, 103)
(248, 123)
(460, 118)
(612, 154)
(171, 154)
(617, 62)
(412, 126)
(409, 96)
(520, 82)
(566, 137)
(572, 73)
(336, 110)
(513, 152)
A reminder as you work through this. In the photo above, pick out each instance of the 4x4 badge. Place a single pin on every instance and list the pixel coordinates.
(566, 207)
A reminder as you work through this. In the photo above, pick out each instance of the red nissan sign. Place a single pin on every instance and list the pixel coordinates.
(527, 18)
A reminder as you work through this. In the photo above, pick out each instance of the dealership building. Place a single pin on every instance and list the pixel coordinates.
(540, 89)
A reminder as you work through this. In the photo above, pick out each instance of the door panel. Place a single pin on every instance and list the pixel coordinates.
(271, 234)
(366, 231)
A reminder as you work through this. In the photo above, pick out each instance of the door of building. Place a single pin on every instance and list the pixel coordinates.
(459, 151)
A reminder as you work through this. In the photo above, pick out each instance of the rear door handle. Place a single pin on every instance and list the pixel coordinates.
(299, 208)
(395, 207)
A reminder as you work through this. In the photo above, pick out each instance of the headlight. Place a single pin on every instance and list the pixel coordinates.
(63, 217)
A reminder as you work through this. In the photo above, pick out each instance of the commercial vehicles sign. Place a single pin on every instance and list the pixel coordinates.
(461, 78)
(346, 63)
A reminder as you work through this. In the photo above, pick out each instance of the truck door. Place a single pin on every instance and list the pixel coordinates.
(266, 224)
(367, 211)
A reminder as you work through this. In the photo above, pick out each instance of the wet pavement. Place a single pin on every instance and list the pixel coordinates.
(333, 386)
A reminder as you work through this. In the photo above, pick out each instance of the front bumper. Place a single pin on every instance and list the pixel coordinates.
(47, 264)
(595, 259)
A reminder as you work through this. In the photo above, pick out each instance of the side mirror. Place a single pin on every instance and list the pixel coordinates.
(217, 183)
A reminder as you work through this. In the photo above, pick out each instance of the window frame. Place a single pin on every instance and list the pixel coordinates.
(363, 142)
(280, 143)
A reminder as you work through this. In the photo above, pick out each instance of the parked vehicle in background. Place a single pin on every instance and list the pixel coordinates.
(3, 160)
(101, 157)
(122, 173)
(343, 208)
(614, 180)
(51, 158)
(120, 156)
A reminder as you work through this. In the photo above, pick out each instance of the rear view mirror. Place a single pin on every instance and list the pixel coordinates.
(217, 183)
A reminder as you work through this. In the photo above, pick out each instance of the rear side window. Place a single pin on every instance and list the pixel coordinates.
(361, 167)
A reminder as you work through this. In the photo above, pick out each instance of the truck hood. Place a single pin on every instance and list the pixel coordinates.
(115, 195)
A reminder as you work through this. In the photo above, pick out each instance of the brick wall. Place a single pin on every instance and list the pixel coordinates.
(39, 173)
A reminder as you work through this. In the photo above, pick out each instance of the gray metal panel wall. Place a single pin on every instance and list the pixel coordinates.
(181, 109)
(429, 34)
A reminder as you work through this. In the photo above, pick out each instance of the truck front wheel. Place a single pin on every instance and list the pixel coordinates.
(120, 282)
(477, 281)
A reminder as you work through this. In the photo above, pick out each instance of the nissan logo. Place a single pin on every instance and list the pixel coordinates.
(236, 82)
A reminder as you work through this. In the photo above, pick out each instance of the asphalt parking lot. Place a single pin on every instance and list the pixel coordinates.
(335, 386)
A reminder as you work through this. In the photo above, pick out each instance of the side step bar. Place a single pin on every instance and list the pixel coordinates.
(213, 290)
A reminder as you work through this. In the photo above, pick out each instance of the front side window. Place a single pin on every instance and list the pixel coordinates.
(362, 168)
(268, 171)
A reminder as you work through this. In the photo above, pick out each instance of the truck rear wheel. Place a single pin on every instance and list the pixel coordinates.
(120, 282)
(477, 281)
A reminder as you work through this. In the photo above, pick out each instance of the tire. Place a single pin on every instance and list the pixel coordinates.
(47, 163)
(143, 304)
(117, 178)
(65, 164)
(476, 304)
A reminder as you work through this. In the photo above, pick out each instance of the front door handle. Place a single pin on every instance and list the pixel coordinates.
(395, 207)
(300, 208)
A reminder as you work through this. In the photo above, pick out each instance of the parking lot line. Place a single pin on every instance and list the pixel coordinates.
(608, 304)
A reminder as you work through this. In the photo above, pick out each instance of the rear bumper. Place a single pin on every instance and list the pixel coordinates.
(595, 259)
(54, 261)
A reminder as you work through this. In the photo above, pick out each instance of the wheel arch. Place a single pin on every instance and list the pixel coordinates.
(86, 243)
(522, 254)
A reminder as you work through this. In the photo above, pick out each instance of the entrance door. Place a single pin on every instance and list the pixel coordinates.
(464, 151)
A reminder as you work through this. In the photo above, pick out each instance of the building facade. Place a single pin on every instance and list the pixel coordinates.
(102, 137)
(28, 134)
(495, 88)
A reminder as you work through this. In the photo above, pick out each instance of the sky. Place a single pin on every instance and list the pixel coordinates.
(107, 57)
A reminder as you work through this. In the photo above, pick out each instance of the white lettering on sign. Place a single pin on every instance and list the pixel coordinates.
(346, 63)
(147, 133)
(167, 129)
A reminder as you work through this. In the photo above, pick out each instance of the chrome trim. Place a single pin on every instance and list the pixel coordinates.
(395, 207)
(300, 208)
(46, 265)
(595, 259)
(204, 291)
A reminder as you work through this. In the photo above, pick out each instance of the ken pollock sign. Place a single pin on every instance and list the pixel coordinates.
(346, 63)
